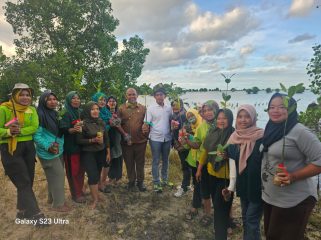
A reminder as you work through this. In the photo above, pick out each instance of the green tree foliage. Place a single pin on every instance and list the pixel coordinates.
(314, 70)
(73, 44)
(268, 90)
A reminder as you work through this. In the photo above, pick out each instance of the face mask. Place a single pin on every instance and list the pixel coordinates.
(192, 120)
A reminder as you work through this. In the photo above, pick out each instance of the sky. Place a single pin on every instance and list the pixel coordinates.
(192, 42)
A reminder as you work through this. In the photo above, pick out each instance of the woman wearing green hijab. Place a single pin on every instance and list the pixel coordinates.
(70, 125)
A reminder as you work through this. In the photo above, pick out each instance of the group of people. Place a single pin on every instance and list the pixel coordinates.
(269, 169)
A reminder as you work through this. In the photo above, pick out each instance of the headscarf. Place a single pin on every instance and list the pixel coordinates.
(48, 118)
(104, 113)
(216, 136)
(211, 104)
(74, 112)
(86, 113)
(197, 116)
(274, 131)
(246, 138)
(112, 97)
(19, 110)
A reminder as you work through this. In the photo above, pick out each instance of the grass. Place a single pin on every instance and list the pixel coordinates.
(122, 215)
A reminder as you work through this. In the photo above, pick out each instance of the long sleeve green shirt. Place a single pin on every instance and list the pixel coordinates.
(30, 125)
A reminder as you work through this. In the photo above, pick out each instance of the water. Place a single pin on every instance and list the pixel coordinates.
(259, 100)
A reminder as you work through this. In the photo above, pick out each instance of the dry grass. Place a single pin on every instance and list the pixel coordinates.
(122, 215)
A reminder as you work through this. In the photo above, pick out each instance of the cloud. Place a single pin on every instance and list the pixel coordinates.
(280, 58)
(246, 50)
(301, 38)
(230, 26)
(300, 8)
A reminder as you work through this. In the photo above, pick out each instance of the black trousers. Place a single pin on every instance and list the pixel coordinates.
(185, 169)
(20, 168)
(197, 197)
(93, 162)
(221, 207)
(116, 168)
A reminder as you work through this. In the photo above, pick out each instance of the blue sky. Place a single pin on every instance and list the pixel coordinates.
(193, 41)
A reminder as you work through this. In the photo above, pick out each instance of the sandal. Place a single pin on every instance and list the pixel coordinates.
(206, 220)
(191, 214)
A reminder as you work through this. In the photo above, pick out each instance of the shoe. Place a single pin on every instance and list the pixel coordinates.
(167, 184)
(157, 188)
(131, 187)
(180, 192)
(141, 186)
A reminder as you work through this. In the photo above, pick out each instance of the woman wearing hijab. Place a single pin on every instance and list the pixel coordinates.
(104, 113)
(178, 123)
(70, 125)
(94, 141)
(18, 122)
(291, 157)
(208, 111)
(49, 147)
(116, 163)
(245, 168)
(218, 171)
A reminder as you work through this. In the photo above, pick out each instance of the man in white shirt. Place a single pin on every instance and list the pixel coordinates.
(158, 123)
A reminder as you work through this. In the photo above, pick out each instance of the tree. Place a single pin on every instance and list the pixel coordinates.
(268, 90)
(74, 45)
(255, 90)
(314, 70)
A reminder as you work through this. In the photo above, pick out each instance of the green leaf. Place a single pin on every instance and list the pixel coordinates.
(283, 87)
(291, 91)
(212, 153)
(286, 101)
(218, 159)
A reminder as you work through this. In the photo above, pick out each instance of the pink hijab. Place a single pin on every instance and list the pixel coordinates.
(246, 138)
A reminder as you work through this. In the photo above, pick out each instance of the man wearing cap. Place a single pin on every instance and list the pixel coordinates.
(134, 142)
(158, 122)
(18, 123)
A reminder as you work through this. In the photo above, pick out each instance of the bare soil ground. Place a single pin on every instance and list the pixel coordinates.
(121, 215)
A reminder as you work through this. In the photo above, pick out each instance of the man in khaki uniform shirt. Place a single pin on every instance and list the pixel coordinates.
(134, 144)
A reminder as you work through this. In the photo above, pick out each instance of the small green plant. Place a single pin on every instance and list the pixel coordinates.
(226, 97)
(290, 92)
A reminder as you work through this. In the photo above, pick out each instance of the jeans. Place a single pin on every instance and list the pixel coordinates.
(158, 149)
(251, 216)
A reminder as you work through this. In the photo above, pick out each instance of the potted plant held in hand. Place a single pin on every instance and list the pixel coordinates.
(290, 92)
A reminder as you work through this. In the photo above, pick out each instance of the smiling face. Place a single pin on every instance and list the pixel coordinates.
(75, 101)
(24, 98)
(208, 113)
(94, 112)
(222, 121)
(243, 120)
(101, 102)
(277, 111)
(51, 102)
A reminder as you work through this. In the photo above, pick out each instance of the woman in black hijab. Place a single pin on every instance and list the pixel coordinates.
(49, 147)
